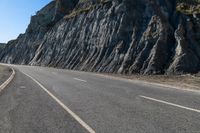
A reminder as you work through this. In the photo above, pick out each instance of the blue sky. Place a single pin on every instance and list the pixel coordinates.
(15, 16)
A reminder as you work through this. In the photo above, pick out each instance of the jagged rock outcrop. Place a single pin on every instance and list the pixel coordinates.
(22, 50)
(115, 36)
(2, 46)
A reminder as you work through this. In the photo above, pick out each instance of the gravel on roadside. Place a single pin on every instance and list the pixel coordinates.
(182, 81)
(5, 73)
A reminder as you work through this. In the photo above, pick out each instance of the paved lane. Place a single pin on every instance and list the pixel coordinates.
(117, 106)
(26, 108)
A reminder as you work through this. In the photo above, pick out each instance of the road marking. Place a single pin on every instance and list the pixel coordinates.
(3, 86)
(172, 104)
(54, 73)
(23, 87)
(76, 117)
(80, 80)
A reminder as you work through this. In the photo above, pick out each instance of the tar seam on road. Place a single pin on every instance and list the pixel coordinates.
(80, 80)
(171, 104)
(3, 86)
(76, 117)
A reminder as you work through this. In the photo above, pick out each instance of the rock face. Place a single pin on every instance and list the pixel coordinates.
(115, 36)
(2, 45)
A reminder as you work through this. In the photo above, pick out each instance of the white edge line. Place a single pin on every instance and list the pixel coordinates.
(172, 104)
(80, 80)
(76, 117)
(146, 83)
(3, 86)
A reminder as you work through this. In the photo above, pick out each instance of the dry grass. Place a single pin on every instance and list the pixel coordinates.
(181, 81)
(188, 8)
(79, 11)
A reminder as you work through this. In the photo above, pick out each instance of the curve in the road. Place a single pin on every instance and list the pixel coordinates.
(3, 86)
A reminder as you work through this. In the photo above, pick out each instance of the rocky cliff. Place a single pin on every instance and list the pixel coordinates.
(114, 36)
(2, 45)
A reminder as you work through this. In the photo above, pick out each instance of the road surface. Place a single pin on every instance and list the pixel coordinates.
(47, 100)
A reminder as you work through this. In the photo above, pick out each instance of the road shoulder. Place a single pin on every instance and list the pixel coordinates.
(5, 73)
(182, 82)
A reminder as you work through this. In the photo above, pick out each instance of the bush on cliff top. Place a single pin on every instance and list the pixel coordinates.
(188, 6)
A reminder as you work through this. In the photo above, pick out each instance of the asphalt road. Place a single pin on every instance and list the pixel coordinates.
(47, 100)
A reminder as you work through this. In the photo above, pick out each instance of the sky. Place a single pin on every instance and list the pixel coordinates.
(15, 16)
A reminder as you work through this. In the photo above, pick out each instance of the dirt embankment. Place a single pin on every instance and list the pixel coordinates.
(5, 73)
(180, 81)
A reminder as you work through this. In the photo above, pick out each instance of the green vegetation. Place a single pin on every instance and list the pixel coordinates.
(184, 6)
(189, 1)
(188, 6)
(78, 11)
(98, 1)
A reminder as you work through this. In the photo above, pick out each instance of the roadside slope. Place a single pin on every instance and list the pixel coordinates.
(5, 73)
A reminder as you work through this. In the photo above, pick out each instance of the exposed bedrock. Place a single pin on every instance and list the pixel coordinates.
(114, 36)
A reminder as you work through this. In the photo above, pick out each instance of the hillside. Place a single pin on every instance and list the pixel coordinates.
(2, 45)
(113, 36)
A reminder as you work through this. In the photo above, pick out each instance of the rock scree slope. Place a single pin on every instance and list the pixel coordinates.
(113, 36)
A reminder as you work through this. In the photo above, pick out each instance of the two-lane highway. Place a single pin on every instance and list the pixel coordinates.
(47, 100)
